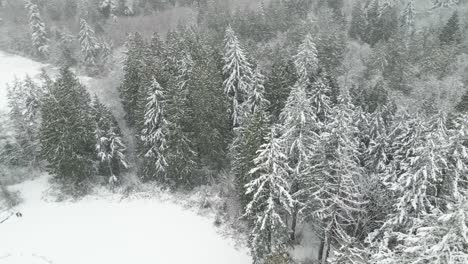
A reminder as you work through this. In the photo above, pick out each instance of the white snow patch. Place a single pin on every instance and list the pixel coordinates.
(11, 67)
(98, 230)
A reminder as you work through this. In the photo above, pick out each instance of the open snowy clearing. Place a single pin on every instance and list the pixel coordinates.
(11, 67)
(105, 230)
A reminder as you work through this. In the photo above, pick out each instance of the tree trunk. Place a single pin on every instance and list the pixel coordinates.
(294, 223)
(320, 252)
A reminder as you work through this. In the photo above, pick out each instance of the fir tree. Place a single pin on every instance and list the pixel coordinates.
(110, 148)
(89, 44)
(24, 99)
(444, 3)
(181, 157)
(250, 137)
(335, 197)
(357, 29)
(154, 134)
(238, 72)
(67, 132)
(408, 16)
(271, 201)
(132, 92)
(451, 33)
(299, 132)
(39, 37)
(306, 60)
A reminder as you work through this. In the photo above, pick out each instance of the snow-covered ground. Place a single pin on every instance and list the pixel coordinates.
(11, 67)
(99, 230)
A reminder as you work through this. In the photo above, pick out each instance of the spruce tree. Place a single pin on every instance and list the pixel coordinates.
(39, 37)
(89, 44)
(67, 131)
(271, 201)
(181, 157)
(24, 100)
(299, 127)
(238, 74)
(132, 90)
(408, 16)
(250, 137)
(451, 33)
(430, 208)
(154, 135)
(333, 185)
(110, 148)
(357, 28)
(306, 60)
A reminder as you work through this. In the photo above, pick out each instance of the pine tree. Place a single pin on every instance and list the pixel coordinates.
(408, 16)
(67, 131)
(306, 60)
(132, 90)
(444, 3)
(430, 188)
(335, 198)
(89, 44)
(154, 135)
(39, 37)
(319, 94)
(299, 132)
(271, 201)
(250, 137)
(24, 99)
(451, 33)
(110, 148)
(181, 157)
(238, 72)
(357, 29)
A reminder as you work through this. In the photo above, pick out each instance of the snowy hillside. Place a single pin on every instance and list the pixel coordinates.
(100, 230)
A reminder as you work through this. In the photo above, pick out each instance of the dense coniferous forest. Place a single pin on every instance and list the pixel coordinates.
(348, 117)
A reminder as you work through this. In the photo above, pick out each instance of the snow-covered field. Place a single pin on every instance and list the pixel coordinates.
(99, 230)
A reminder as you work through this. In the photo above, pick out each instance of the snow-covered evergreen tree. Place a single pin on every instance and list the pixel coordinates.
(299, 132)
(306, 60)
(154, 134)
(180, 154)
(335, 197)
(238, 74)
(24, 100)
(110, 148)
(67, 132)
(271, 201)
(90, 46)
(132, 89)
(408, 15)
(250, 137)
(444, 3)
(39, 37)
(429, 223)
(319, 94)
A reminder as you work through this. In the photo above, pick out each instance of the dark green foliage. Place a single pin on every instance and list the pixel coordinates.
(462, 106)
(252, 137)
(135, 79)
(67, 131)
(369, 99)
(110, 150)
(451, 32)
(280, 79)
(357, 28)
